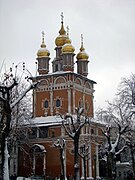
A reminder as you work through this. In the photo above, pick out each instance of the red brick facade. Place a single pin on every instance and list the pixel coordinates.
(60, 92)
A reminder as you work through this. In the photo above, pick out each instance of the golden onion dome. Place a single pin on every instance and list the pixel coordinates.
(67, 47)
(43, 51)
(82, 55)
(60, 40)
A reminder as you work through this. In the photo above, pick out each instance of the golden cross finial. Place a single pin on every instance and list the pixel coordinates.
(67, 30)
(62, 16)
(82, 48)
(43, 35)
(82, 39)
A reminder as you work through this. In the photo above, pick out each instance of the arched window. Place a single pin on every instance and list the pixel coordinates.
(58, 103)
(46, 104)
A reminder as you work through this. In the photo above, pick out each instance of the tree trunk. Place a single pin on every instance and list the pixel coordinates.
(6, 156)
(133, 162)
(62, 164)
(6, 129)
(76, 158)
(109, 165)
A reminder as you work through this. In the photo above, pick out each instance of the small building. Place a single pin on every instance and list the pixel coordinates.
(124, 170)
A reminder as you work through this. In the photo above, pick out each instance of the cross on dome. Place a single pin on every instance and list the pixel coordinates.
(81, 39)
(82, 48)
(43, 35)
(62, 16)
(67, 30)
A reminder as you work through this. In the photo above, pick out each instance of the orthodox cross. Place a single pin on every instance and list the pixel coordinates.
(67, 30)
(62, 16)
(82, 39)
(43, 35)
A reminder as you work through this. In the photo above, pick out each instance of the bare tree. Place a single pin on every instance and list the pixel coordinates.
(131, 145)
(84, 154)
(121, 115)
(112, 150)
(9, 81)
(73, 125)
(60, 144)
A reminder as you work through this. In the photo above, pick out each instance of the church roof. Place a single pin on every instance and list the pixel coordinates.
(58, 73)
(45, 121)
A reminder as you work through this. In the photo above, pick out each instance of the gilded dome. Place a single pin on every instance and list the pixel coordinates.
(60, 40)
(67, 47)
(43, 51)
(82, 55)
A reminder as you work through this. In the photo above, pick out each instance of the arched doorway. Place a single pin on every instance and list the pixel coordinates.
(39, 160)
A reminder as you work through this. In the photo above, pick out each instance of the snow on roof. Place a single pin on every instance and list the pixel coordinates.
(63, 72)
(123, 163)
(41, 147)
(53, 121)
(94, 120)
(45, 121)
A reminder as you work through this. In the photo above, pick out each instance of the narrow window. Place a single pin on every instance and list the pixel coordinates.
(92, 131)
(56, 67)
(53, 134)
(46, 104)
(119, 174)
(58, 104)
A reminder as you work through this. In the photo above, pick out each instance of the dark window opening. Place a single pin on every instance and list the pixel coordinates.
(43, 132)
(14, 169)
(53, 134)
(119, 174)
(58, 103)
(46, 104)
(92, 131)
(32, 133)
(56, 67)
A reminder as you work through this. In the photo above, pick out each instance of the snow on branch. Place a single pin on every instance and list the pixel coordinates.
(118, 152)
(31, 86)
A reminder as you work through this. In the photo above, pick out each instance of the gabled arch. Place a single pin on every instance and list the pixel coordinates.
(38, 148)
(44, 82)
(60, 80)
(88, 85)
(78, 81)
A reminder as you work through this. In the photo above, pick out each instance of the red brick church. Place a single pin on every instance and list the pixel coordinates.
(60, 92)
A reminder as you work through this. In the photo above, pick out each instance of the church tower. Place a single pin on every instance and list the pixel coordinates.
(43, 58)
(62, 90)
(68, 55)
(59, 42)
(82, 60)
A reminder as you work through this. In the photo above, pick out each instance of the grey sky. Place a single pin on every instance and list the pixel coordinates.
(108, 27)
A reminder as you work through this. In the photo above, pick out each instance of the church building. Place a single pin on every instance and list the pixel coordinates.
(60, 92)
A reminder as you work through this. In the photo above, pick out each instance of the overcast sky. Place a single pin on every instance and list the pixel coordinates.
(108, 27)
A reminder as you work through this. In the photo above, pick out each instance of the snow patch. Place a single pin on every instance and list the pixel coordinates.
(6, 168)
